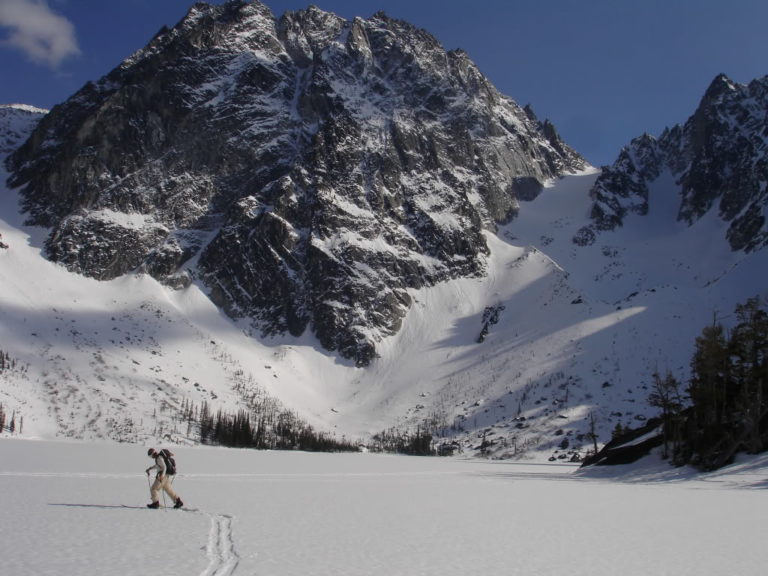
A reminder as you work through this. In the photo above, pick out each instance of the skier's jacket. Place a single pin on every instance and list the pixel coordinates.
(165, 464)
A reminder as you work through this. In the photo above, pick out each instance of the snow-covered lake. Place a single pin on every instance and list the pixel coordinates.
(78, 509)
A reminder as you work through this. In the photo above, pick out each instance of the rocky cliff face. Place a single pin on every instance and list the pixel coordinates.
(718, 158)
(309, 171)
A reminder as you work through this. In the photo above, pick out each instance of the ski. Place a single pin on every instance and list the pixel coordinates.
(183, 508)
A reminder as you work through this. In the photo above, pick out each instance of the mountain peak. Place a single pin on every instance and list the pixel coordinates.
(715, 158)
(309, 171)
(718, 87)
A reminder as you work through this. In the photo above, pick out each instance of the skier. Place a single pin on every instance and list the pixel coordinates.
(162, 481)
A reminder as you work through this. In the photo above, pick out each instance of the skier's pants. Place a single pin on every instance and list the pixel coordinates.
(162, 483)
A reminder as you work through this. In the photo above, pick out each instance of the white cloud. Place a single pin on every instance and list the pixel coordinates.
(34, 29)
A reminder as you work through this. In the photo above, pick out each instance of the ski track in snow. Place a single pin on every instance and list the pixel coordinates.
(222, 557)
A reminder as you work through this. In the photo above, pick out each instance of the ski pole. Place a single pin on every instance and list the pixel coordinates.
(149, 485)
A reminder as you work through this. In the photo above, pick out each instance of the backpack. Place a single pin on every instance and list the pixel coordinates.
(170, 462)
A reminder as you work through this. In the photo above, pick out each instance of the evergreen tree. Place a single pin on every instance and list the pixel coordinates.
(728, 391)
(710, 375)
(206, 424)
(712, 391)
(749, 347)
(666, 396)
(592, 433)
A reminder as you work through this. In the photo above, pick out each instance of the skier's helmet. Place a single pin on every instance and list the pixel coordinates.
(151, 452)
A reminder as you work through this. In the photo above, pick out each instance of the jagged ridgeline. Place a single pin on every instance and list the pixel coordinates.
(308, 170)
(717, 160)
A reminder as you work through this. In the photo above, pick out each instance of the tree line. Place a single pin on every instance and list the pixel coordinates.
(723, 409)
(6, 362)
(12, 425)
(266, 427)
(417, 443)
(269, 428)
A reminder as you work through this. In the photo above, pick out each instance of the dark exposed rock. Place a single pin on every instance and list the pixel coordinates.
(310, 171)
(629, 447)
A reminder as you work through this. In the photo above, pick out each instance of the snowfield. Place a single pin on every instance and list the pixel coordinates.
(72, 508)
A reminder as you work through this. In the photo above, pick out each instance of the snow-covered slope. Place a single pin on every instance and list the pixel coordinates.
(580, 330)
(16, 122)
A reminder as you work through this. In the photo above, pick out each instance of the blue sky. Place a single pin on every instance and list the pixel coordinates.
(604, 71)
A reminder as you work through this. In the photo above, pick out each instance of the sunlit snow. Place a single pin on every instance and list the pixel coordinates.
(79, 508)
